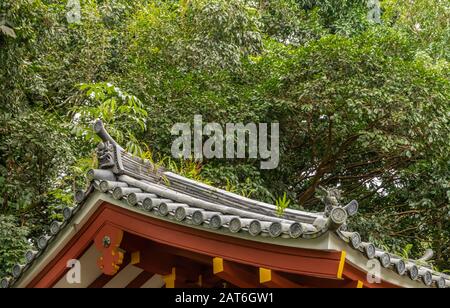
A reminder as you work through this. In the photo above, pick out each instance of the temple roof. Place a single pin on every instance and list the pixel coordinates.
(141, 185)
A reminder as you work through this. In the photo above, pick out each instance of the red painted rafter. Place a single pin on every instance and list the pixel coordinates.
(279, 258)
(135, 242)
(272, 279)
(237, 274)
(160, 260)
(200, 269)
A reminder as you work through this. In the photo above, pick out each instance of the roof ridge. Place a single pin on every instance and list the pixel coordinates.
(113, 157)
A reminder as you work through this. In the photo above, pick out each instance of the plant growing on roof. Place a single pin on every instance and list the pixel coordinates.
(282, 203)
(124, 114)
(406, 251)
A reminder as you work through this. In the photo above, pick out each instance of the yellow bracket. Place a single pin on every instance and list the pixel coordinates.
(265, 275)
(341, 264)
(170, 279)
(217, 265)
(135, 257)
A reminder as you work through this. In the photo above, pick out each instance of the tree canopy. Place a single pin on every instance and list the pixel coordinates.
(363, 104)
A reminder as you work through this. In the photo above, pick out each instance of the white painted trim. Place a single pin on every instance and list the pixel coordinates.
(359, 260)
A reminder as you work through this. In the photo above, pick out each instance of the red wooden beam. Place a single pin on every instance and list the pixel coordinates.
(158, 263)
(199, 265)
(176, 271)
(354, 285)
(209, 280)
(279, 258)
(272, 279)
(134, 242)
(164, 264)
(316, 282)
(161, 259)
(237, 274)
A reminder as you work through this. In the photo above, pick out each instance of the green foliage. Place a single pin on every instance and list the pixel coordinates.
(282, 203)
(243, 179)
(13, 243)
(405, 253)
(170, 33)
(188, 168)
(112, 105)
(345, 17)
(287, 22)
(34, 154)
(425, 22)
(362, 106)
